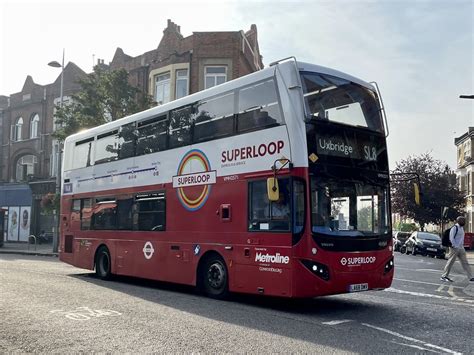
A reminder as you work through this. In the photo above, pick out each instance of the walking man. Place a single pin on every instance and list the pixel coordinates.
(456, 250)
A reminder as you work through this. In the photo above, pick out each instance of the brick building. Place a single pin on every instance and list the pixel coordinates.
(28, 155)
(182, 66)
(177, 67)
(465, 173)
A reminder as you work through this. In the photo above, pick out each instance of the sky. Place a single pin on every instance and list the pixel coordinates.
(421, 53)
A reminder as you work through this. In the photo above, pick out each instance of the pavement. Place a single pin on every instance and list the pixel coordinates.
(47, 250)
(27, 249)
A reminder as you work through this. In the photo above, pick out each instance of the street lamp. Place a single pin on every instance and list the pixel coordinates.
(466, 96)
(55, 64)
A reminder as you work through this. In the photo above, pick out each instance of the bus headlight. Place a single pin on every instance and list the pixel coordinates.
(388, 266)
(317, 269)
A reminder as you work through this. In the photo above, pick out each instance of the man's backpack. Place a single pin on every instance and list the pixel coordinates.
(445, 240)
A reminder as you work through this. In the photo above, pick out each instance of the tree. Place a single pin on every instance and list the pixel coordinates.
(105, 95)
(438, 184)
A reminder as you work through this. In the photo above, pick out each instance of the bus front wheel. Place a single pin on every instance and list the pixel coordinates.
(103, 264)
(214, 278)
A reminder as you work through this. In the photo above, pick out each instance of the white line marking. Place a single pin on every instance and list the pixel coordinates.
(434, 271)
(429, 270)
(336, 322)
(412, 339)
(416, 347)
(424, 282)
(420, 294)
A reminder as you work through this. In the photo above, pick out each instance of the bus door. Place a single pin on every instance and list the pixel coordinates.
(266, 266)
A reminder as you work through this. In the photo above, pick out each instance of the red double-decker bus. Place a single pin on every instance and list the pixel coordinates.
(276, 183)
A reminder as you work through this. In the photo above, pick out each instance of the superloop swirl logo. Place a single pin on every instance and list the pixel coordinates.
(194, 179)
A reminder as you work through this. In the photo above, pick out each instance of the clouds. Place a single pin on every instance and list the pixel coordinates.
(420, 53)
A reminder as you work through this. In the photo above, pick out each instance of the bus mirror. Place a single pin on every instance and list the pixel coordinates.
(417, 193)
(272, 189)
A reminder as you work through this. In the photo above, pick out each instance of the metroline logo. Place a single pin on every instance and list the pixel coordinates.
(269, 258)
(358, 260)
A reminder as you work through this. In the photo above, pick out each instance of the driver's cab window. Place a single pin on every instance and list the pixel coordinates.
(265, 215)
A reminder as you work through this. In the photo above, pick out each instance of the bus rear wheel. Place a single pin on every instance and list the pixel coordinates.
(214, 278)
(103, 264)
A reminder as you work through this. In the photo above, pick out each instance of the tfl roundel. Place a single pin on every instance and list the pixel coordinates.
(194, 179)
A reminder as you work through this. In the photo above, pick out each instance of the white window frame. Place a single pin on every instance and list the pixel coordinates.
(34, 125)
(57, 101)
(182, 78)
(15, 134)
(20, 162)
(54, 158)
(166, 84)
(214, 76)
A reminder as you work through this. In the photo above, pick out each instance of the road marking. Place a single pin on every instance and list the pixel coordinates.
(417, 341)
(434, 271)
(429, 270)
(416, 347)
(424, 282)
(86, 313)
(428, 295)
(336, 322)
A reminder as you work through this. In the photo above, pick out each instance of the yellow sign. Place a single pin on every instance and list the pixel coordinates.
(313, 157)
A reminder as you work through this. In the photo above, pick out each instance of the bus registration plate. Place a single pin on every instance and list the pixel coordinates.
(358, 287)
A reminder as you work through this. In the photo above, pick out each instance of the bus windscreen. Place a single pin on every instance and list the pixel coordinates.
(328, 98)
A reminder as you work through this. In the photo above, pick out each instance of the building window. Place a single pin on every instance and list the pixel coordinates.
(181, 83)
(214, 76)
(67, 100)
(34, 124)
(25, 167)
(162, 88)
(16, 130)
(467, 149)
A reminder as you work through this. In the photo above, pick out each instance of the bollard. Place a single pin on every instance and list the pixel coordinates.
(31, 236)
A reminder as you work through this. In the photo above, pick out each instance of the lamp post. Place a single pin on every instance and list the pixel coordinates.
(58, 161)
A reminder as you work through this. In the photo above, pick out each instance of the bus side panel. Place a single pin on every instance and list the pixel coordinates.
(153, 259)
(253, 274)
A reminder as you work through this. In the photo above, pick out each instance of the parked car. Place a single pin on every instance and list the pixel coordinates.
(425, 244)
(399, 239)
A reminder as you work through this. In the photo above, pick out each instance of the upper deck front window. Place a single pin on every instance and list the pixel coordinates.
(328, 98)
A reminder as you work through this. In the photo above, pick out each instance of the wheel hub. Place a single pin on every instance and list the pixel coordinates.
(215, 275)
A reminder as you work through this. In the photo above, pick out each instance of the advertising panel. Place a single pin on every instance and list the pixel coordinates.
(13, 223)
(24, 222)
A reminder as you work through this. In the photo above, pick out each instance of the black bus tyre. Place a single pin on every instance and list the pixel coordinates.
(214, 278)
(103, 264)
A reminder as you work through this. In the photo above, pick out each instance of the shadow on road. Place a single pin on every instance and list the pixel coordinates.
(295, 318)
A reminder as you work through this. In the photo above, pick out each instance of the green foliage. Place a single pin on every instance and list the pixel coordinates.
(438, 184)
(406, 227)
(105, 95)
(49, 203)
